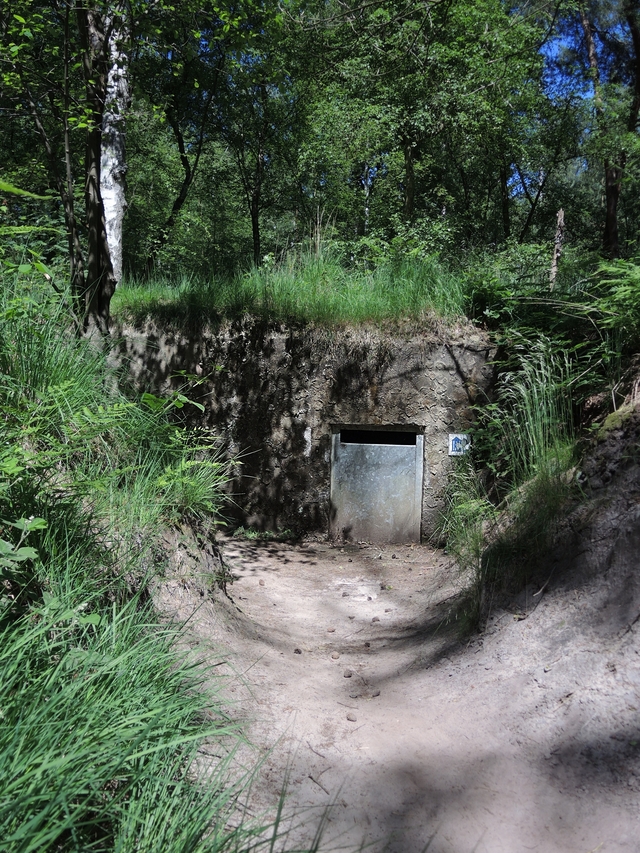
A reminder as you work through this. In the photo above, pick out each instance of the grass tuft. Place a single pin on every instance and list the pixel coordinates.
(497, 523)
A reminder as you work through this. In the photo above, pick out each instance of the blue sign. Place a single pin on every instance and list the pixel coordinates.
(459, 443)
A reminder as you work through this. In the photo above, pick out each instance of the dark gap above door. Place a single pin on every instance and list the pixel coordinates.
(369, 436)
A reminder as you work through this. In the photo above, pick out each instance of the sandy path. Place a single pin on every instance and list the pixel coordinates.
(524, 739)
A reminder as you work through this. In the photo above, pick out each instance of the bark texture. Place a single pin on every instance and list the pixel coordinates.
(100, 281)
(557, 249)
(409, 199)
(113, 164)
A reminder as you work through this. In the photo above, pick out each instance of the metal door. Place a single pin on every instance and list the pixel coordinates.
(376, 485)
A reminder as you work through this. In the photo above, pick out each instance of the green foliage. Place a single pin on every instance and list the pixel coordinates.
(103, 720)
(101, 726)
(306, 288)
(534, 412)
(468, 511)
(445, 133)
(13, 556)
(62, 409)
(502, 511)
(6, 187)
(618, 300)
(263, 535)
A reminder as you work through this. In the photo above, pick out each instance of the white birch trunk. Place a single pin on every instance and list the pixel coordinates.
(113, 166)
(557, 249)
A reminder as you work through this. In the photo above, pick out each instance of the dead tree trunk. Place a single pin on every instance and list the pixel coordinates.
(409, 200)
(557, 249)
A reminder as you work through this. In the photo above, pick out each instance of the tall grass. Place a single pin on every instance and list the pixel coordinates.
(100, 730)
(536, 402)
(77, 436)
(101, 719)
(305, 288)
(501, 516)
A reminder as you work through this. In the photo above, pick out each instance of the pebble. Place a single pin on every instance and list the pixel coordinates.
(297, 651)
(335, 655)
(367, 645)
(375, 693)
(330, 630)
(393, 557)
(387, 610)
(345, 594)
(376, 619)
(354, 695)
(351, 717)
(347, 673)
(261, 582)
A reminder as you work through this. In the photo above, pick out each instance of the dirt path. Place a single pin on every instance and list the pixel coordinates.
(526, 738)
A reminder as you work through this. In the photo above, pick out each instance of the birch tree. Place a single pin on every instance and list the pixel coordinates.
(113, 163)
(55, 60)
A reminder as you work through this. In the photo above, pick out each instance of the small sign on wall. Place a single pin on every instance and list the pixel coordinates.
(459, 443)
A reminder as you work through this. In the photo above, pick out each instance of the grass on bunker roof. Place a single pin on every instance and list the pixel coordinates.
(303, 289)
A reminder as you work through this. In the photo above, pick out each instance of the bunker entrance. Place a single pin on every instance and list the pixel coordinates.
(376, 484)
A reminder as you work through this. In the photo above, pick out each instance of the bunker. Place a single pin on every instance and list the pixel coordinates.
(339, 431)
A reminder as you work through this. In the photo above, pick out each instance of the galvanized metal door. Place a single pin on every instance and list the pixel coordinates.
(376, 485)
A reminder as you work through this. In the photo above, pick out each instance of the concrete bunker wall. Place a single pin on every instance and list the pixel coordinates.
(278, 394)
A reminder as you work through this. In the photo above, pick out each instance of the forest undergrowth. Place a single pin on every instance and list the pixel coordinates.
(563, 365)
(103, 718)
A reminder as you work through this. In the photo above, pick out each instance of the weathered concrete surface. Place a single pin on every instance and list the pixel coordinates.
(276, 392)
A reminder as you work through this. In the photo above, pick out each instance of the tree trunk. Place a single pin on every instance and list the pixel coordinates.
(557, 249)
(631, 15)
(63, 181)
(189, 173)
(113, 165)
(65, 190)
(100, 283)
(255, 225)
(255, 202)
(533, 202)
(366, 185)
(612, 187)
(504, 195)
(409, 201)
(612, 171)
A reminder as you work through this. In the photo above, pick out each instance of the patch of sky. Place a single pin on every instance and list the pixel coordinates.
(564, 75)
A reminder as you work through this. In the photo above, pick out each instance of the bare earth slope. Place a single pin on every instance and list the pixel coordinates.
(524, 738)
(357, 690)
